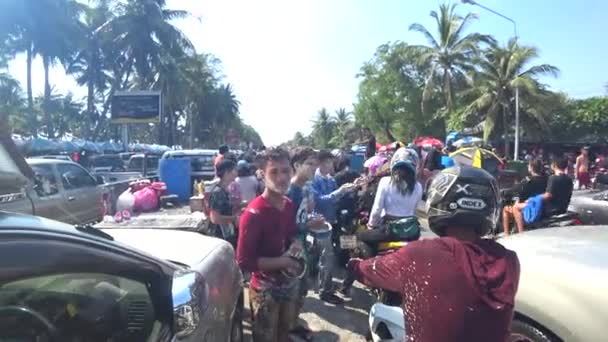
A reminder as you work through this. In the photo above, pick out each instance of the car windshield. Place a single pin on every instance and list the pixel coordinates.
(199, 162)
(107, 161)
(119, 308)
(138, 163)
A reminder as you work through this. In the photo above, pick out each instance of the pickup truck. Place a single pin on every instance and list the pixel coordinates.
(55, 189)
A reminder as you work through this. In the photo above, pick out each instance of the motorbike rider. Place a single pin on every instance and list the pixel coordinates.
(458, 287)
(396, 197)
(535, 184)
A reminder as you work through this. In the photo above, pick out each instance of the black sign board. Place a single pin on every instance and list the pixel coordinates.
(136, 107)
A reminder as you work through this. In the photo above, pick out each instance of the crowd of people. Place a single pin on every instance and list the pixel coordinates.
(275, 199)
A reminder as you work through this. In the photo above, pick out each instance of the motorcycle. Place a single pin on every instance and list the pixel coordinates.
(386, 323)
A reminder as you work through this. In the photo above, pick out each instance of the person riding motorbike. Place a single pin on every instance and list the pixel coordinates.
(396, 198)
(459, 282)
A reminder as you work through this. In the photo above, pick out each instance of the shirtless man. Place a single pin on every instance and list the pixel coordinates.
(582, 168)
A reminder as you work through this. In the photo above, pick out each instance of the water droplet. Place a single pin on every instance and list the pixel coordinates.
(426, 282)
(450, 309)
(470, 308)
(429, 264)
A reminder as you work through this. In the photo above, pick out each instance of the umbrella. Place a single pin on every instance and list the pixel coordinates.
(468, 141)
(68, 146)
(39, 146)
(428, 142)
(477, 157)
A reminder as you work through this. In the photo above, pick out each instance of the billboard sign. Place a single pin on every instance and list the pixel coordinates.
(136, 107)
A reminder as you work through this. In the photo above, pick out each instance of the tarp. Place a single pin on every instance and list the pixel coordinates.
(428, 142)
(468, 141)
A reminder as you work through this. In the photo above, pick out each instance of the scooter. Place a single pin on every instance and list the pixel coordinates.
(386, 323)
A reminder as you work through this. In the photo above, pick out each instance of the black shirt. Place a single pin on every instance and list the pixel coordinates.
(560, 187)
(532, 186)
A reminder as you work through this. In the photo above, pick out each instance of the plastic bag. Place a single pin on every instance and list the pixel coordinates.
(126, 201)
(146, 199)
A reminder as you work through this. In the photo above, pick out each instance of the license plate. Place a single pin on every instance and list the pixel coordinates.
(348, 242)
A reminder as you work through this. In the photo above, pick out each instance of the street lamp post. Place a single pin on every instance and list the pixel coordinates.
(516, 149)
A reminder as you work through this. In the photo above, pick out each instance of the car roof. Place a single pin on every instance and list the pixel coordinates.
(581, 245)
(39, 161)
(190, 153)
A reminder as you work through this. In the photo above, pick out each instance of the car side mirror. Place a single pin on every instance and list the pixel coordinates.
(190, 295)
(100, 180)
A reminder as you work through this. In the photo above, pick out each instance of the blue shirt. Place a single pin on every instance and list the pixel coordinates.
(326, 196)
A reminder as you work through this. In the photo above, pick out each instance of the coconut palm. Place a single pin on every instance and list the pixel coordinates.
(500, 71)
(143, 31)
(323, 128)
(450, 53)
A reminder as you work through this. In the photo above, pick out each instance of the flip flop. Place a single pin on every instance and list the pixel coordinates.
(302, 332)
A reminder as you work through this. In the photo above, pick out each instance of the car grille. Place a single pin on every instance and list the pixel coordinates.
(136, 316)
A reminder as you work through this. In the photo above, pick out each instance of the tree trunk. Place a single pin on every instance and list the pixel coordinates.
(389, 134)
(30, 97)
(50, 131)
(505, 124)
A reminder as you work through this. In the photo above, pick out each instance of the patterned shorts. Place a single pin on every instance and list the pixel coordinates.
(272, 319)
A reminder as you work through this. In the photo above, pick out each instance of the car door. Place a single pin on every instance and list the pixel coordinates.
(49, 202)
(82, 194)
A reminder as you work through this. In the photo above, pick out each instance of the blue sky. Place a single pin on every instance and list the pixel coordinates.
(287, 59)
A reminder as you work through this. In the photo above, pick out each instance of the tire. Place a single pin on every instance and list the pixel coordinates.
(522, 331)
(236, 326)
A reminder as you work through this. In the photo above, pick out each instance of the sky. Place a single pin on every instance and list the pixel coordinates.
(288, 59)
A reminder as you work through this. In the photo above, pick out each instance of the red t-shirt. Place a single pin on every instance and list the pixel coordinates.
(264, 231)
(218, 159)
(452, 290)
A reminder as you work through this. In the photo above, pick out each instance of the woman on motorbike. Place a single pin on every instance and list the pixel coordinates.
(396, 198)
(397, 195)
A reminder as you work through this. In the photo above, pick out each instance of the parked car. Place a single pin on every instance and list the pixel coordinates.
(55, 189)
(136, 164)
(106, 163)
(591, 206)
(55, 156)
(64, 283)
(561, 294)
(201, 161)
(125, 156)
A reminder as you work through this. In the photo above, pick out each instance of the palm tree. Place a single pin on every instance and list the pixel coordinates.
(91, 65)
(501, 70)
(449, 54)
(323, 127)
(143, 30)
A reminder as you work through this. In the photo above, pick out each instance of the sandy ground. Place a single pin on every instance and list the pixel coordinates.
(331, 323)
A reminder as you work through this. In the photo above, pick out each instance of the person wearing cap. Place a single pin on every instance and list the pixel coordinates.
(248, 183)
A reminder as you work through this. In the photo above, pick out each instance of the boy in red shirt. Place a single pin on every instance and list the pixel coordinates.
(267, 232)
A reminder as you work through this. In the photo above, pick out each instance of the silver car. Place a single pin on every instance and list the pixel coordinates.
(562, 289)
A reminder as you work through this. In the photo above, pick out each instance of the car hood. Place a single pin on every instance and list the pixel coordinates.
(14, 170)
(186, 248)
(580, 246)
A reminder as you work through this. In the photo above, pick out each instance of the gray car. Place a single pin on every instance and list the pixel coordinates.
(562, 290)
(64, 283)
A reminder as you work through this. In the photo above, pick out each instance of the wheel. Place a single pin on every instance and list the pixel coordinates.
(525, 332)
(236, 326)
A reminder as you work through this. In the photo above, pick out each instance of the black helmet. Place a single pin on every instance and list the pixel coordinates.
(463, 196)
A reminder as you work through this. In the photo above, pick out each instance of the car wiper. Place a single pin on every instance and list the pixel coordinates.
(89, 229)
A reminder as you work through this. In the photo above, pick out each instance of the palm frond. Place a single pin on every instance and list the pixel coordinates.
(429, 37)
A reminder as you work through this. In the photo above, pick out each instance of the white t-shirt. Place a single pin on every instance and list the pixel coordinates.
(249, 186)
(389, 201)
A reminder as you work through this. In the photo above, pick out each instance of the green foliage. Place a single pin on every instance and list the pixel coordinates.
(111, 45)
